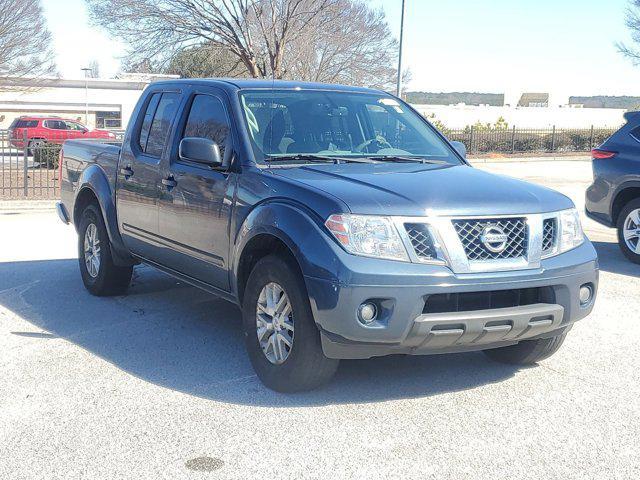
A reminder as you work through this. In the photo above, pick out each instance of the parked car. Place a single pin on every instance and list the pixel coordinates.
(42, 130)
(614, 197)
(337, 218)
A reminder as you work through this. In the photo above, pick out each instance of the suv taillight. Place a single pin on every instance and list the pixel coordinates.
(599, 154)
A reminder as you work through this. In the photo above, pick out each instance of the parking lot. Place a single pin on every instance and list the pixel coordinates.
(156, 384)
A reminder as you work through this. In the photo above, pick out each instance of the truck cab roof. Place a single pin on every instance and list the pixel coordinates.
(255, 83)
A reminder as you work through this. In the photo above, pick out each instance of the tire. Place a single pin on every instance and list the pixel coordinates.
(527, 352)
(105, 278)
(302, 365)
(34, 144)
(628, 218)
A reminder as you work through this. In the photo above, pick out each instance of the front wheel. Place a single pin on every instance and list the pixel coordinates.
(527, 352)
(629, 230)
(281, 337)
(99, 274)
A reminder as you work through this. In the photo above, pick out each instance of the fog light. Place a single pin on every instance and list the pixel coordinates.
(586, 292)
(367, 312)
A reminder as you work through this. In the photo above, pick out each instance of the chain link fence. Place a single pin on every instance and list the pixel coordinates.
(515, 140)
(29, 166)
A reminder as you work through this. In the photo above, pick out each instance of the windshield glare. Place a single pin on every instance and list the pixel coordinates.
(285, 123)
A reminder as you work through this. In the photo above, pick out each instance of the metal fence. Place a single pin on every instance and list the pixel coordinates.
(29, 167)
(514, 140)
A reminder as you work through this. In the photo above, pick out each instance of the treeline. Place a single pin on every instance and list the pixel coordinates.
(604, 101)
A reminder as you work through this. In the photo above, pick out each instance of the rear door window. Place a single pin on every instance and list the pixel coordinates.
(161, 124)
(148, 118)
(55, 124)
(635, 133)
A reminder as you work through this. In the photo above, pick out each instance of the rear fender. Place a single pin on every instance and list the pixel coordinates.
(95, 179)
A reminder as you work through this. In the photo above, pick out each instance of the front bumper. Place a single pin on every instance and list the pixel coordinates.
(404, 327)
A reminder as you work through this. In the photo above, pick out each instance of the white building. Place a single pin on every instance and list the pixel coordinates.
(110, 102)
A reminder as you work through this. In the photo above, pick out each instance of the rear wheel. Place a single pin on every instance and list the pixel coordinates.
(99, 274)
(35, 144)
(281, 337)
(629, 230)
(527, 351)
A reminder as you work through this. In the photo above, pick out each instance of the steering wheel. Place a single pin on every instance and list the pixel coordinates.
(379, 139)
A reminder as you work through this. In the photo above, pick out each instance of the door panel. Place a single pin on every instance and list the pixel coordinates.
(138, 185)
(195, 205)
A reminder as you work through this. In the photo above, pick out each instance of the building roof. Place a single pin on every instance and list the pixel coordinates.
(528, 98)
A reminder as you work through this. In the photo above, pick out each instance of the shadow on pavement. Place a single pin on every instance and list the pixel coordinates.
(179, 337)
(612, 260)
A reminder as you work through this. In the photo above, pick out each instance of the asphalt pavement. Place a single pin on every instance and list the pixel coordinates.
(156, 384)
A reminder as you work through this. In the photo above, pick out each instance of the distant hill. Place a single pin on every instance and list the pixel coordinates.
(602, 101)
(449, 98)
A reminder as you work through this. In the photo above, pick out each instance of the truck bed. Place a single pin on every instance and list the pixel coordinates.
(79, 154)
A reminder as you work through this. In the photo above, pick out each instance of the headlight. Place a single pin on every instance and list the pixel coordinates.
(571, 234)
(367, 235)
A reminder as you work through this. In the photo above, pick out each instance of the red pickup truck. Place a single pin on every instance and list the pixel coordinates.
(42, 130)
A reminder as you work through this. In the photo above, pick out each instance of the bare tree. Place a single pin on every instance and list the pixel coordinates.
(25, 42)
(95, 69)
(205, 61)
(324, 40)
(633, 24)
(352, 45)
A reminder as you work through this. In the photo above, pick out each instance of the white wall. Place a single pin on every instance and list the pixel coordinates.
(67, 98)
(459, 116)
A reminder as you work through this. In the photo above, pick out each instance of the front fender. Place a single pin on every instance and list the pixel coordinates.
(297, 228)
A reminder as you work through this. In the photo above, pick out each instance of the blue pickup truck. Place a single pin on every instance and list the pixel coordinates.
(337, 218)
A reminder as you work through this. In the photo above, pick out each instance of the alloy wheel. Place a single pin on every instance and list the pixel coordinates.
(631, 231)
(92, 250)
(274, 323)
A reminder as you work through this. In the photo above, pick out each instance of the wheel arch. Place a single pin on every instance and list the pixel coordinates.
(94, 188)
(275, 227)
(626, 192)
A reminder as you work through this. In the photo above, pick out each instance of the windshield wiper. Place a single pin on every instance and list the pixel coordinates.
(310, 157)
(407, 158)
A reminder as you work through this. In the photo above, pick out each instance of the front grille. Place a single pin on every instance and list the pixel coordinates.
(548, 234)
(472, 301)
(421, 240)
(470, 233)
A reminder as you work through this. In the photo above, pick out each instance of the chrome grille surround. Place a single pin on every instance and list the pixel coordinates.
(470, 231)
(451, 253)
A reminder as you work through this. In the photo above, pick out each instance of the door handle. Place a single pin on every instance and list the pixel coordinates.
(169, 182)
(127, 172)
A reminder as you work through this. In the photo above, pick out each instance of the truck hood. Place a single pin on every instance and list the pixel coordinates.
(424, 189)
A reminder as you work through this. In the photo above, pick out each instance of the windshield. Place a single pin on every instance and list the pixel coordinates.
(299, 123)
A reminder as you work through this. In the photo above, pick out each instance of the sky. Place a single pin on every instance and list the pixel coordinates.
(566, 47)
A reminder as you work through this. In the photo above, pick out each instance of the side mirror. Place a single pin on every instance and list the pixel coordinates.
(200, 150)
(460, 148)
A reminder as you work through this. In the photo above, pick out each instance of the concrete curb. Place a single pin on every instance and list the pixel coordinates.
(27, 205)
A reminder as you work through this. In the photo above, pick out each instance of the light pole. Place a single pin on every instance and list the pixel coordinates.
(86, 71)
(399, 89)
